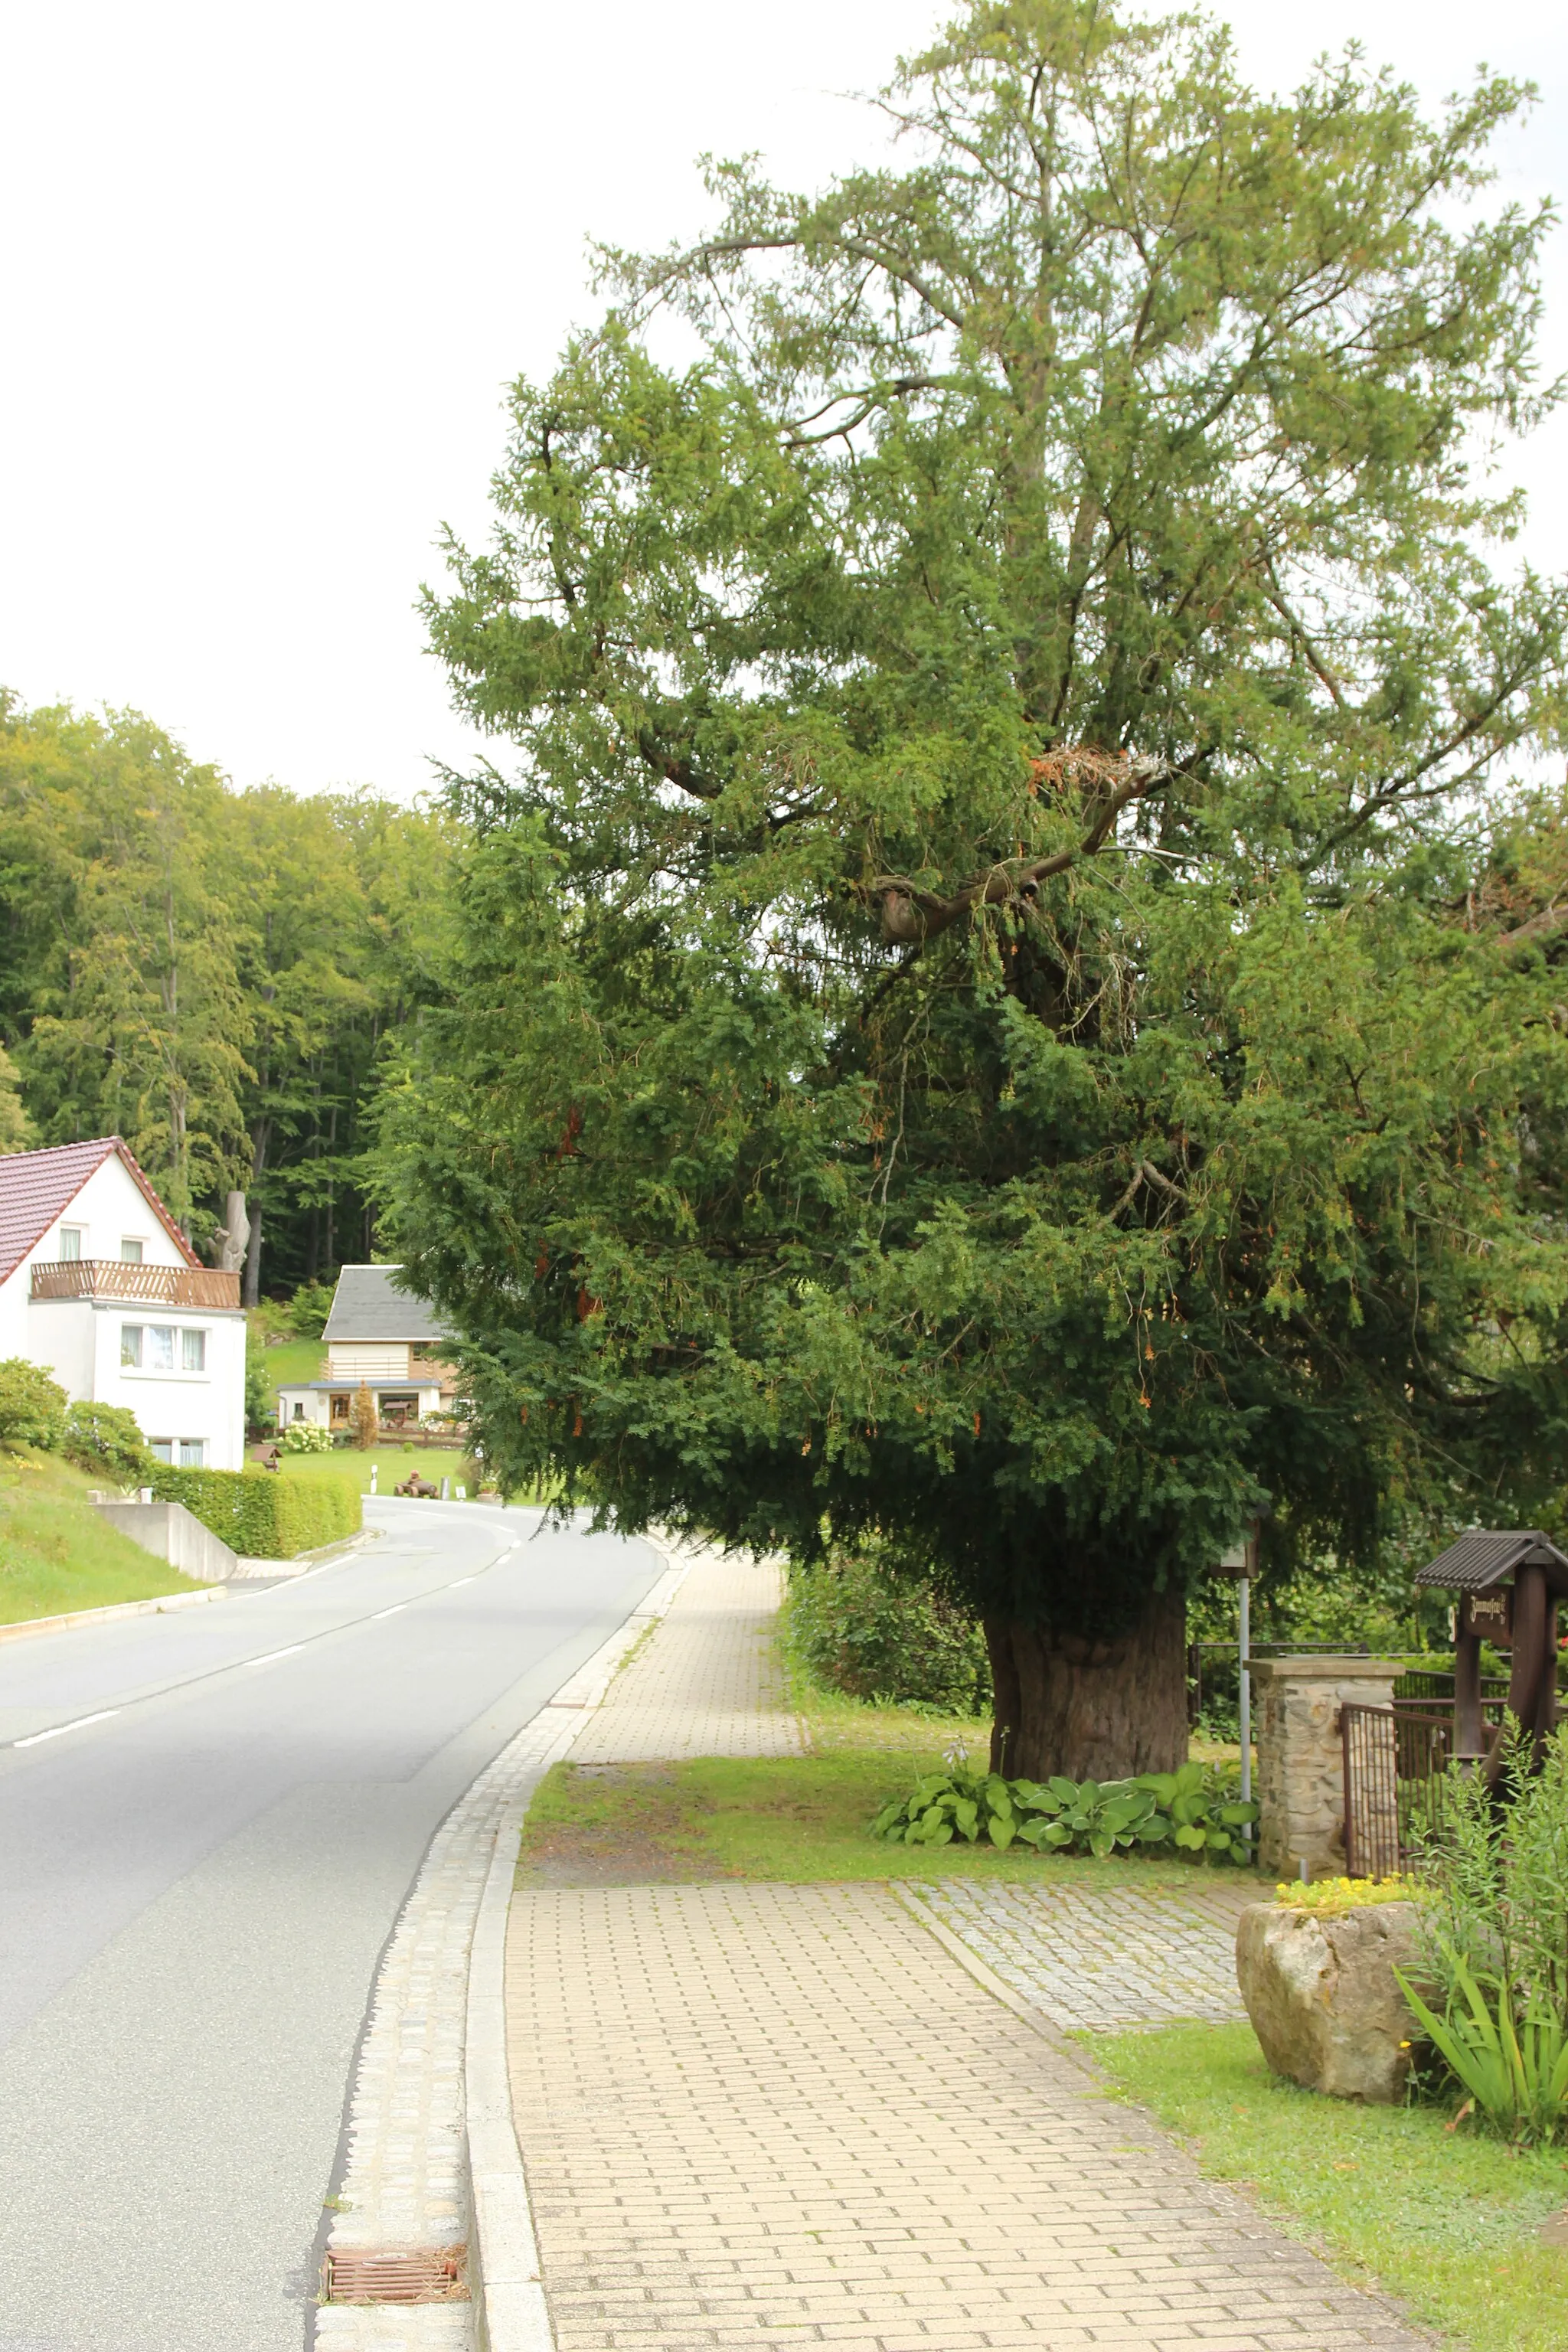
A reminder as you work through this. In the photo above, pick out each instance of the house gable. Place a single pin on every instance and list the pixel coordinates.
(38, 1188)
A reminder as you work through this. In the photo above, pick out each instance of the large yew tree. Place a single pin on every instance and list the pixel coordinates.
(969, 1030)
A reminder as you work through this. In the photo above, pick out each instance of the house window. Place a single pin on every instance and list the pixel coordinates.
(131, 1250)
(338, 1411)
(70, 1242)
(148, 1346)
(191, 1450)
(193, 1351)
(299, 1410)
(162, 1448)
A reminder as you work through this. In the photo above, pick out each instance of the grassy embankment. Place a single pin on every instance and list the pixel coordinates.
(1446, 2221)
(55, 1554)
(288, 1364)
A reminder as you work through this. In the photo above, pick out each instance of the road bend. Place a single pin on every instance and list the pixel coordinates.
(209, 1821)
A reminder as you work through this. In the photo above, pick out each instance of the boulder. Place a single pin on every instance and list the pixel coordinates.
(1323, 1999)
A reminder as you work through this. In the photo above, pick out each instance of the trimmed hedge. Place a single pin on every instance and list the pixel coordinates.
(264, 1514)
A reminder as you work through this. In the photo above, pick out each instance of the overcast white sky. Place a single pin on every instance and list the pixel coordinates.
(267, 271)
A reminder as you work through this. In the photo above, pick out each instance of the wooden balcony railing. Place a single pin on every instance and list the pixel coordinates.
(153, 1285)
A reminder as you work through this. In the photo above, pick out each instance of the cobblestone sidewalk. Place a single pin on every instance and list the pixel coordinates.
(759, 2116)
(1091, 1955)
(706, 1681)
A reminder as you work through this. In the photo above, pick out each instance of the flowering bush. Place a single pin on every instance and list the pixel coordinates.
(1331, 1898)
(306, 1437)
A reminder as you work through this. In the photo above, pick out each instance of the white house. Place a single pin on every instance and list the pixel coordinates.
(99, 1286)
(380, 1338)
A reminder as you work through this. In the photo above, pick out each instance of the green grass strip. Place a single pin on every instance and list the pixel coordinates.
(1447, 2222)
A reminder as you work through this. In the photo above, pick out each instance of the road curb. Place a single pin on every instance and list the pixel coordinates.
(511, 2314)
(156, 1607)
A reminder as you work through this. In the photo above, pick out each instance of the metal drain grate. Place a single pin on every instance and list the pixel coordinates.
(395, 2275)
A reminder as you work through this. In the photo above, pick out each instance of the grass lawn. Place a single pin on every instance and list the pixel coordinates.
(797, 1818)
(393, 1465)
(1447, 2222)
(57, 1554)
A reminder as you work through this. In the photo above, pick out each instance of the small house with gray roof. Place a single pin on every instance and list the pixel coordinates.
(384, 1337)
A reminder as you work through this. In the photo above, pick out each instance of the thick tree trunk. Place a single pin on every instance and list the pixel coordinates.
(1090, 1710)
(260, 1137)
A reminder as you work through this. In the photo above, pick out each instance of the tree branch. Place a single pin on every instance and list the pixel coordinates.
(910, 915)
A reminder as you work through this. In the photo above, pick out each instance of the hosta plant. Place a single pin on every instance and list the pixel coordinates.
(1207, 1813)
(1090, 1816)
(948, 1804)
(1195, 1809)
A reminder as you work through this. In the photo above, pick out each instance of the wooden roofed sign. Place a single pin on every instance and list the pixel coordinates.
(1509, 1581)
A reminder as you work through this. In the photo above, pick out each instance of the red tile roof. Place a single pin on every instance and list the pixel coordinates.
(37, 1187)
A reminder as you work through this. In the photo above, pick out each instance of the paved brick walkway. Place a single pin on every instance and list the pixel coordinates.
(707, 1682)
(1102, 1955)
(759, 2116)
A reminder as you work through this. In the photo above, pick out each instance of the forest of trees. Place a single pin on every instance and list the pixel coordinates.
(215, 975)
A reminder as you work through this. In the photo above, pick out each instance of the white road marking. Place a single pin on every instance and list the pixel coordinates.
(55, 1729)
(388, 1613)
(461, 1579)
(268, 1655)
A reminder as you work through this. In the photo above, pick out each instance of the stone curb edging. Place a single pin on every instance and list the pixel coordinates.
(511, 2314)
(280, 1569)
(304, 1564)
(509, 2311)
(156, 1607)
(1028, 2011)
(432, 2155)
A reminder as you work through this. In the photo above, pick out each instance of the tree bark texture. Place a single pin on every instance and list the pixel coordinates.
(1092, 1710)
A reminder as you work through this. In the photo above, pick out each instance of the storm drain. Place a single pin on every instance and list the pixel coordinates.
(395, 2275)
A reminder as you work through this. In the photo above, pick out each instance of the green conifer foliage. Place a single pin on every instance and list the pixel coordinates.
(967, 1026)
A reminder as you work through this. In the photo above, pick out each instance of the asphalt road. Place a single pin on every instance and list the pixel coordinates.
(195, 1889)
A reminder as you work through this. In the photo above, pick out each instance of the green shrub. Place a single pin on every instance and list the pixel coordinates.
(261, 1514)
(32, 1406)
(260, 1401)
(854, 1629)
(108, 1438)
(1196, 1809)
(307, 1310)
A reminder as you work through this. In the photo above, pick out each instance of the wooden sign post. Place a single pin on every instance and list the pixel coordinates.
(1510, 1581)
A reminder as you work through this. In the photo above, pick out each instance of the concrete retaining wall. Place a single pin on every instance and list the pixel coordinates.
(176, 1535)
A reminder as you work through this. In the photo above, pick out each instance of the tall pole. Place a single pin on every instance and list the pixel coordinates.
(1243, 1649)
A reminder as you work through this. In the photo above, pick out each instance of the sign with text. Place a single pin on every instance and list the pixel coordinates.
(1490, 1614)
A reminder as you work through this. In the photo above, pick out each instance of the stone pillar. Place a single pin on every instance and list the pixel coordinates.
(1300, 1759)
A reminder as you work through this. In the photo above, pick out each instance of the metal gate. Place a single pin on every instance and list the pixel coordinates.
(1397, 1763)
